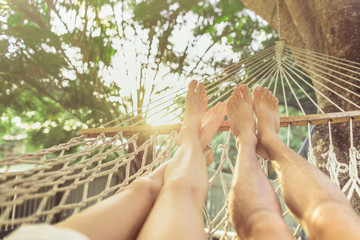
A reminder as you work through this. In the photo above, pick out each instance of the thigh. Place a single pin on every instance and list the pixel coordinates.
(175, 215)
(118, 217)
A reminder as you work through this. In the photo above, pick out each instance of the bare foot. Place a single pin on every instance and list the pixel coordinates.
(195, 105)
(210, 124)
(196, 101)
(266, 109)
(240, 114)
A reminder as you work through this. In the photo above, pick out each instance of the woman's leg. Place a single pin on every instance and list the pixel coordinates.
(121, 216)
(177, 213)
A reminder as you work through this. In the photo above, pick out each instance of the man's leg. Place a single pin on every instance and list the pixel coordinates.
(254, 207)
(321, 207)
(177, 213)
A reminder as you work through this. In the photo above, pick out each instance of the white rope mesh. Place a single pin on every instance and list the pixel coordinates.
(333, 166)
(311, 157)
(60, 177)
(354, 181)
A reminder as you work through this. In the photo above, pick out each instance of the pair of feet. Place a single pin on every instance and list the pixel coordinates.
(204, 124)
(241, 108)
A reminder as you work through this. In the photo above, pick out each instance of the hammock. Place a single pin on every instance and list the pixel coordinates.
(52, 184)
(64, 179)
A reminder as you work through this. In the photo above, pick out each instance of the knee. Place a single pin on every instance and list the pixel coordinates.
(332, 219)
(146, 187)
(264, 223)
(267, 221)
(184, 186)
(181, 184)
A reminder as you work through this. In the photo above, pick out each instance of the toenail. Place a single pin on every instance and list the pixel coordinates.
(242, 86)
(258, 89)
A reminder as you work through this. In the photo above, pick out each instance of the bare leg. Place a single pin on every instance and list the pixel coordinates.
(210, 124)
(130, 208)
(254, 207)
(122, 215)
(177, 213)
(320, 206)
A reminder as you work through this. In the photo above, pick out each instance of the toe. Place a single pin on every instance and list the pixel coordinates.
(206, 100)
(245, 92)
(271, 95)
(229, 103)
(192, 85)
(257, 93)
(238, 94)
(217, 106)
(223, 108)
(265, 94)
(276, 102)
(233, 94)
(200, 89)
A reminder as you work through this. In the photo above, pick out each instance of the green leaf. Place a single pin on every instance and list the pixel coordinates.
(16, 19)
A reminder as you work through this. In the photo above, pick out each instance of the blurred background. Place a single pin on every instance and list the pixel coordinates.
(68, 65)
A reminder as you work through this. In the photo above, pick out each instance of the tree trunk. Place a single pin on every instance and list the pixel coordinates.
(331, 27)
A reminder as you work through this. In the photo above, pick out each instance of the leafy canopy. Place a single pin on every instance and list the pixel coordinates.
(74, 64)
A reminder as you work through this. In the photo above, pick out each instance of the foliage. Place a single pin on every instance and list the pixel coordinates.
(224, 23)
(69, 65)
(63, 64)
(58, 76)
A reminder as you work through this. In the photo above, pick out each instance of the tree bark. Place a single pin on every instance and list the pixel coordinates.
(331, 27)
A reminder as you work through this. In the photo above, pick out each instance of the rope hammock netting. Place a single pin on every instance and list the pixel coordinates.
(64, 179)
(67, 178)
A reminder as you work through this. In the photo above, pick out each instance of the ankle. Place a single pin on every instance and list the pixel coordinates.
(188, 132)
(248, 140)
(267, 141)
